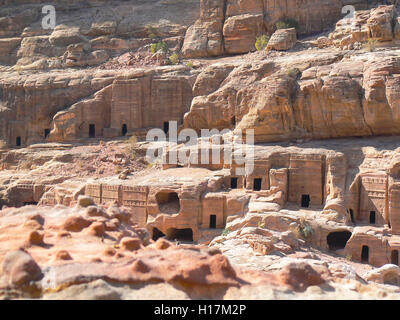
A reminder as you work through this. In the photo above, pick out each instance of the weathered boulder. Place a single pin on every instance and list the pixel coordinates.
(240, 32)
(204, 38)
(282, 40)
(19, 268)
(388, 274)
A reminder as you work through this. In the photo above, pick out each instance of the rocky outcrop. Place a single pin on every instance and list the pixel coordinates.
(232, 26)
(121, 27)
(282, 40)
(368, 26)
(26, 117)
(344, 94)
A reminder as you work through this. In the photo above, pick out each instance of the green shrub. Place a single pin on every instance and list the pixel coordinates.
(131, 147)
(190, 64)
(152, 32)
(293, 72)
(174, 58)
(287, 23)
(262, 42)
(304, 230)
(161, 45)
(225, 232)
(3, 144)
(370, 46)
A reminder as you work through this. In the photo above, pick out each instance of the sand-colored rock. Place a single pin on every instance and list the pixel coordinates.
(282, 39)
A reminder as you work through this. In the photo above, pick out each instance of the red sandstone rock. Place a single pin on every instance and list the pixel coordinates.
(130, 244)
(19, 268)
(63, 255)
(300, 276)
(76, 223)
(35, 238)
(97, 229)
(162, 244)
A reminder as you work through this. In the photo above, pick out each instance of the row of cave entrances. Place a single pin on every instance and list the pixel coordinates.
(124, 129)
(372, 216)
(337, 241)
(257, 185)
(18, 140)
(92, 132)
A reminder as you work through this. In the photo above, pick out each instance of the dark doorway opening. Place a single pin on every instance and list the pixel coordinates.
(168, 202)
(337, 240)
(166, 127)
(124, 129)
(30, 203)
(46, 133)
(395, 257)
(92, 130)
(157, 234)
(18, 141)
(365, 254)
(180, 234)
(305, 200)
(233, 121)
(234, 183)
(257, 184)
(213, 221)
(352, 215)
(372, 217)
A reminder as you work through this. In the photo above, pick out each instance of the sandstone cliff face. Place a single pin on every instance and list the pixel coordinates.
(335, 98)
(377, 25)
(232, 26)
(28, 103)
(96, 30)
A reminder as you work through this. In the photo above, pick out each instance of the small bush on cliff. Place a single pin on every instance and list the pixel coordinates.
(3, 144)
(152, 32)
(131, 147)
(262, 42)
(225, 232)
(293, 72)
(174, 58)
(370, 46)
(287, 23)
(304, 230)
(160, 45)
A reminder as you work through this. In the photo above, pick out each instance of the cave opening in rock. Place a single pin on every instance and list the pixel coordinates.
(92, 130)
(168, 202)
(18, 141)
(395, 257)
(337, 240)
(157, 234)
(352, 216)
(257, 184)
(305, 200)
(213, 221)
(166, 127)
(30, 203)
(46, 133)
(124, 129)
(234, 183)
(365, 254)
(372, 217)
(180, 234)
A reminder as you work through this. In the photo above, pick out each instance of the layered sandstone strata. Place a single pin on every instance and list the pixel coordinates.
(321, 95)
(232, 26)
